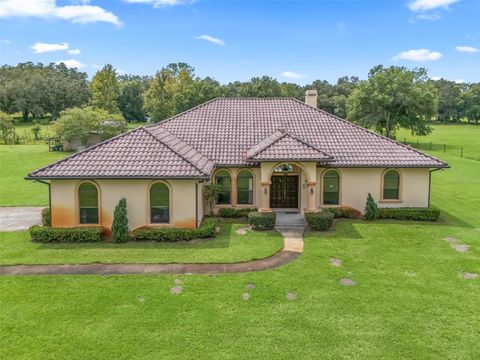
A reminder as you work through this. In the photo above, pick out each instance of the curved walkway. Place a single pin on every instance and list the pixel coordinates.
(292, 248)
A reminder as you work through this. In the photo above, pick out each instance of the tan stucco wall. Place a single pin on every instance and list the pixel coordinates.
(182, 202)
(356, 183)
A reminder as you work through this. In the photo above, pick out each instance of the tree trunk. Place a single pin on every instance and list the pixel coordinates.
(25, 115)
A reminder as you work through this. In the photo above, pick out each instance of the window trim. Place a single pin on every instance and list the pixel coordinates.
(339, 188)
(214, 180)
(170, 205)
(253, 187)
(99, 203)
(400, 183)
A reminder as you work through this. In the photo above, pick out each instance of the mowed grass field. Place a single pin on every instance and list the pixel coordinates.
(410, 300)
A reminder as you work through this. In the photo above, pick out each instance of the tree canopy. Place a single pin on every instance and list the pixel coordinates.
(106, 90)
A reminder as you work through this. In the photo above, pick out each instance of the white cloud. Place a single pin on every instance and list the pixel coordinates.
(5, 41)
(467, 49)
(72, 63)
(427, 5)
(211, 39)
(74, 51)
(428, 17)
(460, 81)
(418, 55)
(291, 75)
(49, 9)
(158, 3)
(40, 48)
(436, 78)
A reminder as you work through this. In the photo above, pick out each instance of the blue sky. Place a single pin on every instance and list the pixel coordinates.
(297, 41)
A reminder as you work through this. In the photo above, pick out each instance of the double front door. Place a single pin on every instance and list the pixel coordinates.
(284, 191)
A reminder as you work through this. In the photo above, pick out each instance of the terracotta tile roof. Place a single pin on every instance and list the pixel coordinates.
(282, 146)
(135, 154)
(224, 129)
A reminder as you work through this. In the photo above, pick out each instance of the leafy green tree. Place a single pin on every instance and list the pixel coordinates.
(448, 101)
(82, 121)
(106, 90)
(469, 103)
(36, 129)
(342, 90)
(210, 194)
(394, 97)
(325, 92)
(264, 86)
(6, 127)
(130, 100)
(120, 230)
(371, 208)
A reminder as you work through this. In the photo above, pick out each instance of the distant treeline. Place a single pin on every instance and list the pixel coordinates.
(39, 90)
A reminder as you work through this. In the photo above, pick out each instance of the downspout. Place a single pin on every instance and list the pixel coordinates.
(430, 182)
(196, 204)
(49, 197)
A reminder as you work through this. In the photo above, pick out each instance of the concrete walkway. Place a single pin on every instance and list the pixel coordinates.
(20, 218)
(292, 248)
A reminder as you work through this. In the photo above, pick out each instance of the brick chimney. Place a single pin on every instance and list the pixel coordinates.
(311, 98)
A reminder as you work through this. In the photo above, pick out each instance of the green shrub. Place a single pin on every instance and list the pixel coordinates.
(320, 221)
(47, 234)
(371, 208)
(120, 230)
(206, 230)
(234, 212)
(262, 221)
(345, 212)
(46, 218)
(419, 214)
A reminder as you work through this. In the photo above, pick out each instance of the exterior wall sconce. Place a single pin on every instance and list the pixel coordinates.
(311, 190)
(265, 191)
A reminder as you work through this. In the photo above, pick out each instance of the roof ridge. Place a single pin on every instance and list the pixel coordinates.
(371, 132)
(176, 152)
(88, 149)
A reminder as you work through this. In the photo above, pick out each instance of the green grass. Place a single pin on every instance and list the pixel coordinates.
(409, 301)
(16, 161)
(16, 248)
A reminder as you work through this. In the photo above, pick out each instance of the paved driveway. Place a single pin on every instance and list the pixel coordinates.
(20, 218)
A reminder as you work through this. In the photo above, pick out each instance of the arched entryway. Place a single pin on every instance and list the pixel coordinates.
(285, 187)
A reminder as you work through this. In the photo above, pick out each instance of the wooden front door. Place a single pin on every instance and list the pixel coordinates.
(284, 191)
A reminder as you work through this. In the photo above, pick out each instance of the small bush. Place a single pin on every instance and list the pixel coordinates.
(206, 230)
(47, 234)
(345, 212)
(419, 214)
(320, 221)
(371, 208)
(262, 221)
(120, 230)
(234, 212)
(46, 218)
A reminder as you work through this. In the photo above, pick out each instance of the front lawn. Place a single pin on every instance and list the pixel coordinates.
(227, 247)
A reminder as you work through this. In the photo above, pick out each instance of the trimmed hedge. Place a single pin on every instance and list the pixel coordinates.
(46, 218)
(345, 212)
(320, 221)
(206, 230)
(47, 234)
(418, 214)
(262, 221)
(234, 212)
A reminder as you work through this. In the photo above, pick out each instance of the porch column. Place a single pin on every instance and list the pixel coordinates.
(265, 196)
(233, 192)
(311, 197)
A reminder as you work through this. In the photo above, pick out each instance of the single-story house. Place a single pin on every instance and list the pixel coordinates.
(269, 153)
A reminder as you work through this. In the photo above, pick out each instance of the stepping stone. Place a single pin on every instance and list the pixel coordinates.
(335, 262)
(176, 290)
(461, 248)
(250, 286)
(451, 240)
(467, 275)
(245, 296)
(241, 231)
(178, 282)
(347, 282)
(141, 299)
(217, 229)
(410, 273)
(291, 296)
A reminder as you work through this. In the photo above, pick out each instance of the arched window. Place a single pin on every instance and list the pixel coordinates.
(391, 185)
(245, 188)
(88, 203)
(159, 203)
(331, 182)
(223, 177)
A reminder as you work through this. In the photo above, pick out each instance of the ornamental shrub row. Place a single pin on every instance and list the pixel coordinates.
(206, 230)
(418, 214)
(46, 219)
(262, 221)
(320, 221)
(234, 213)
(47, 234)
(345, 212)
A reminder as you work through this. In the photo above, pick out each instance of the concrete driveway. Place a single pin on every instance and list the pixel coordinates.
(20, 218)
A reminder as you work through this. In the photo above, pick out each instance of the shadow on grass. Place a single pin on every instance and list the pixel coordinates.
(450, 219)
